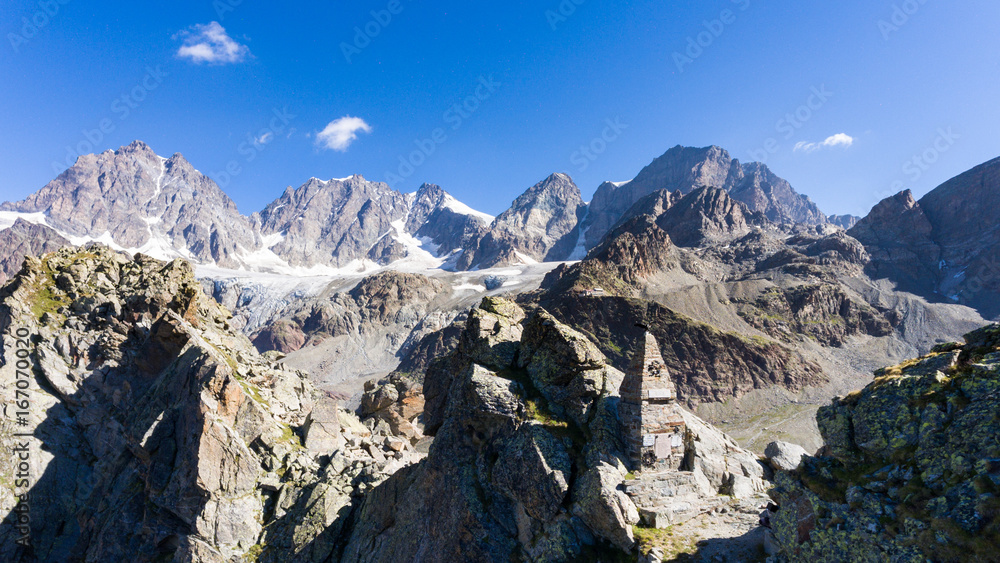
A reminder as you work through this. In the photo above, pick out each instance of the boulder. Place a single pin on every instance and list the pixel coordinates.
(784, 456)
(609, 512)
(322, 427)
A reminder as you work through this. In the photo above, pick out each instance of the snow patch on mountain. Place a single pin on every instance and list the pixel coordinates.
(8, 218)
(580, 250)
(462, 209)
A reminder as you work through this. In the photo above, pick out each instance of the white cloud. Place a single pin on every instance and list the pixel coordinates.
(340, 133)
(838, 140)
(210, 43)
(264, 139)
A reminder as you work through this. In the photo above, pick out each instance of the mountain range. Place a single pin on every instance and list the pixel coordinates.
(134, 199)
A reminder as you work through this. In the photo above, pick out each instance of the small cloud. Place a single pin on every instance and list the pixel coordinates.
(838, 140)
(211, 44)
(339, 134)
(264, 139)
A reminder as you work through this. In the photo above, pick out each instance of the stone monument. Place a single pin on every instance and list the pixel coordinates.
(650, 414)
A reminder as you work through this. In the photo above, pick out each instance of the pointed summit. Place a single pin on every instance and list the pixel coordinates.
(540, 226)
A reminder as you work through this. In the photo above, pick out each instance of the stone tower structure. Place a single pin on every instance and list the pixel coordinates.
(650, 414)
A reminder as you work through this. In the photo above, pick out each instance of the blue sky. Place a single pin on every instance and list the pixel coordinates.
(887, 82)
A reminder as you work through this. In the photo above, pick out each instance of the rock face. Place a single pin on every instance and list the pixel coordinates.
(909, 468)
(145, 202)
(335, 222)
(899, 237)
(449, 224)
(526, 458)
(936, 245)
(149, 410)
(763, 192)
(705, 214)
(823, 312)
(25, 239)
(540, 226)
(685, 169)
(158, 434)
(338, 222)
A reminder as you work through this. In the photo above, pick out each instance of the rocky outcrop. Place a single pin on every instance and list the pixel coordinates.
(149, 410)
(540, 226)
(147, 203)
(526, 457)
(155, 433)
(909, 468)
(25, 239)
(703, 215)
(620, 265)
(823, 312)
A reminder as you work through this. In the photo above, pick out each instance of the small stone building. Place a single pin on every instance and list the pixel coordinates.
(650, 414)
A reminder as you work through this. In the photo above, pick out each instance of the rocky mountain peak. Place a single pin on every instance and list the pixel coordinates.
(433, 194)
(899, 237)
(764, 192)
(947, 206)
(705, 213)
(541, 225)
(140, 201)
(946, 245)
(685, 169)
(555, 189)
